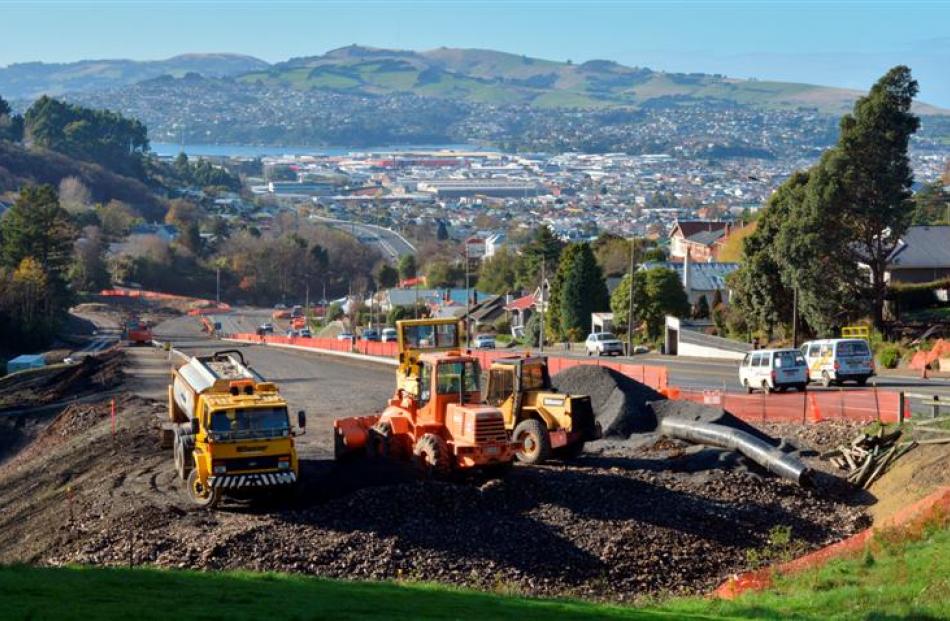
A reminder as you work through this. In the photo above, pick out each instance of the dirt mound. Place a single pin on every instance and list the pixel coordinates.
(93, 374)
(619, 402)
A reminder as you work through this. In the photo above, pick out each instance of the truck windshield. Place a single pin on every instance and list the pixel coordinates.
(431, 337)
(250, 423)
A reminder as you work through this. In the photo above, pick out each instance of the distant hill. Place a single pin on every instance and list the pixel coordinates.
(487, 76)
(30, 80)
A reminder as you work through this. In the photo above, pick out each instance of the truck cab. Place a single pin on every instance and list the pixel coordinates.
(232, 429)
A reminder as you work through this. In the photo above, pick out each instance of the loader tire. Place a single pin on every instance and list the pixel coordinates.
(535, 440)
(431, 457)
(379, 441)
(207, 498)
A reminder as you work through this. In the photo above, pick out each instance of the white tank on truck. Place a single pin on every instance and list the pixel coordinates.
(232, 431)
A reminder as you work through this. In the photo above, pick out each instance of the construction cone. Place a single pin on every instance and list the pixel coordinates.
(815, 412)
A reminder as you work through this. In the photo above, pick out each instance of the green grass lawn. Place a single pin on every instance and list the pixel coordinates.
(900, 579)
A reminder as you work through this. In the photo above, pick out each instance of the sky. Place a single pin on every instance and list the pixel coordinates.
(837, 43)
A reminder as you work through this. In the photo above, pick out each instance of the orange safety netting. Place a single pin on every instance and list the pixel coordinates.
(936, 503)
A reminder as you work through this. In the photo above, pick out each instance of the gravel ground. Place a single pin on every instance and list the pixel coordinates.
(604, 527)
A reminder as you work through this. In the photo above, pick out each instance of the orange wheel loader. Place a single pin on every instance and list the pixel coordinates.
(436, 419)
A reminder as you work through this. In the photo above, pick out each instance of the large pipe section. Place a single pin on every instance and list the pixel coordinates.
(762, 453)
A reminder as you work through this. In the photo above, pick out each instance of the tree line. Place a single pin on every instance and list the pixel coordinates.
(823, 240)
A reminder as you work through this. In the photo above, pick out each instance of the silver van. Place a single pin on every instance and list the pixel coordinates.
(834, 361)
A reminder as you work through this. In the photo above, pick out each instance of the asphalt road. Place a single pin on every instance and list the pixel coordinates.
(391, 244)
(688, 373)
(326, 387)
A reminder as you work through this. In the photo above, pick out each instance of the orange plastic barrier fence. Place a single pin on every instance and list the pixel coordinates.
(810, 407)
(654, 376)
(937, 503)
(213, 307)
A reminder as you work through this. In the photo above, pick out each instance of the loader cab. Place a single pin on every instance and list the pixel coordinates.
(510, 379)
(445, 379)
(418, 337)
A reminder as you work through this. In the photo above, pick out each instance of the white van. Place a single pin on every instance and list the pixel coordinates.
(833, 361)
(773, 369)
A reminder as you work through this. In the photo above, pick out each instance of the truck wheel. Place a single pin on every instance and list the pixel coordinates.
(535, 440)
(431, 457)
(765, 387)
(202, 496)
(379, 441)
(182, 461)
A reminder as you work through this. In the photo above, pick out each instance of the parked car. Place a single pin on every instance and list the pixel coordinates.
(266, 328)
(370, 334)
(305, 333)
(834, 361)
(346, 335)
(484, 341)
(601, 343)
(773, 369)
(388, 335)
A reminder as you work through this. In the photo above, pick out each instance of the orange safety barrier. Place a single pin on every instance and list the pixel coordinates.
(810, 407)
(937, 503)
(213, 307)
(654, 376)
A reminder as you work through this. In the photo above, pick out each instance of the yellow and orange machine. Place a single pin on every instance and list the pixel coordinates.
(436, 419)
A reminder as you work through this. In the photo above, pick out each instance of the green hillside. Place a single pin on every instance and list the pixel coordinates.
(487, 76)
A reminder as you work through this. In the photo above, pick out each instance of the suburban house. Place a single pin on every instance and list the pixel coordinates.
(520, 309)
(165, 232)
(700, 279)
(700, 239)
(921, 255)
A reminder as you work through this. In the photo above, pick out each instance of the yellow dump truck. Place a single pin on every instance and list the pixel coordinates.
(232, 432)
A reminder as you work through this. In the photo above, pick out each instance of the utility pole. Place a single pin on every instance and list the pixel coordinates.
(468, 303)
(795, 317)
(633, 250)
(541, 311)
(217, 288)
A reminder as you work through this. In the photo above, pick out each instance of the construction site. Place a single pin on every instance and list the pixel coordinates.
(651, 496)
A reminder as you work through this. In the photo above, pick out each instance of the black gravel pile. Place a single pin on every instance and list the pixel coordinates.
(619, 402)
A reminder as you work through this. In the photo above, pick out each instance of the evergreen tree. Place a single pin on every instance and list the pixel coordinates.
(11, 125)
(407, 266)
(873, 176)
(497, 273)
(545, 248)
(36, 226)
(582, 290)
(387, 276)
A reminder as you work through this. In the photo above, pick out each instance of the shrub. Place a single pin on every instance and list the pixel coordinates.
(889, 357)
(502, 326)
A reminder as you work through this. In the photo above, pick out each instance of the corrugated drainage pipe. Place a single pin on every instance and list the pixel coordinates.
(767, 456)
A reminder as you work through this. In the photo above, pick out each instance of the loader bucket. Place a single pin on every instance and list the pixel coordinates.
(350, 434)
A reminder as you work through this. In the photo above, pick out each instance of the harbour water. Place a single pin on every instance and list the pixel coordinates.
(171, 149)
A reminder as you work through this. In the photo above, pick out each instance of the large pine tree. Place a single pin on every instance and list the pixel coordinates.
(582, 290)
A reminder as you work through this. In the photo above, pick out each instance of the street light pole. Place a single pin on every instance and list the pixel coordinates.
(541, 311)
(633, 249)
(217, 289)
(468, 302)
